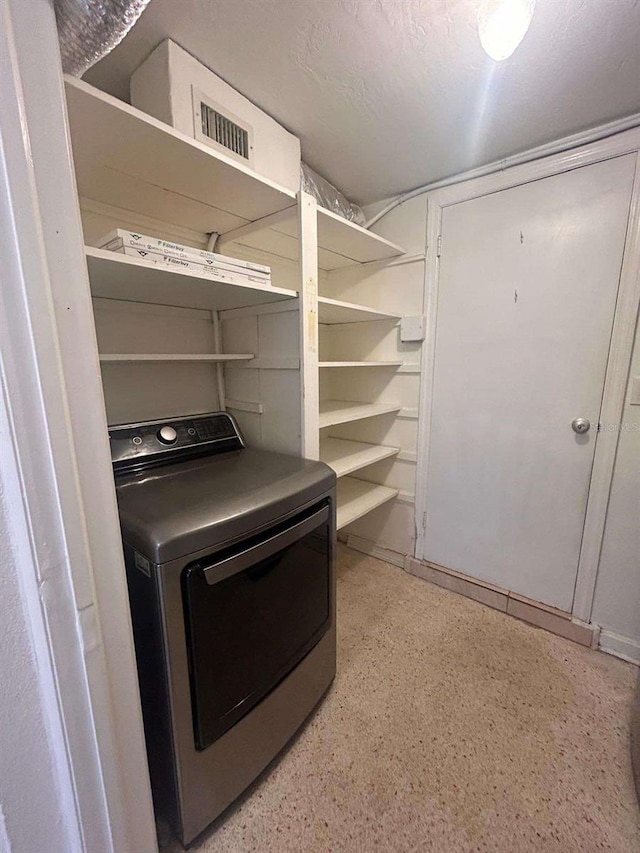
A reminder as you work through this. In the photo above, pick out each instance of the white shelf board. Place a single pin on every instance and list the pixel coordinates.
(340, 243)
(128, 358)
(114, 276)
(360, 363)
(356, 498)
(333, 312)
(127, 158)
(352, 243)
(345, 457)
(334, 412)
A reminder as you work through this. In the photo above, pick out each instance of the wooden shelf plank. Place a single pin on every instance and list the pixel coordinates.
(333, 312)
(128, 358)
(360, 363)
(128, 158)
(345, 457)
(114, 276)
(334, 412)
(351, 242)
(340, 243)
(356, 498)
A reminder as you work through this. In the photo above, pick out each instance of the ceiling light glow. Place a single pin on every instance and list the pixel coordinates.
(503, 24)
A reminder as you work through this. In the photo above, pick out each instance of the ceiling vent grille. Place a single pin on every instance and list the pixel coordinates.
(225, 132)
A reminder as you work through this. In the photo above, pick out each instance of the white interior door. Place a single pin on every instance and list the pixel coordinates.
(526, 296)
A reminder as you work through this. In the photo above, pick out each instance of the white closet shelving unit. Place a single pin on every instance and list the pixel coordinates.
(114, 276)
(126, 160)
(340, 243)
(356, 497)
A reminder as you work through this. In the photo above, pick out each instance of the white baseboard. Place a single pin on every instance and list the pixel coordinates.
(533, 612)
(366, 546)
(621, 647)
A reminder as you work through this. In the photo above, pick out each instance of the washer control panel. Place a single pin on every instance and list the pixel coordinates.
(151, 442)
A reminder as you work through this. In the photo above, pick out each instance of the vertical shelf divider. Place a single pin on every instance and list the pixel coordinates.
(217, 342)
(308, 242)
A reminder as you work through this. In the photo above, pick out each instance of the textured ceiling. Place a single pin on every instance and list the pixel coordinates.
(387, 95)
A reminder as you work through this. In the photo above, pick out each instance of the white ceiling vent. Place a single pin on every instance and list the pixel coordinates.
(178, 90)
(222, 130)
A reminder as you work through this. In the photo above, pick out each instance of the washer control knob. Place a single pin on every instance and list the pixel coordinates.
(167, 435)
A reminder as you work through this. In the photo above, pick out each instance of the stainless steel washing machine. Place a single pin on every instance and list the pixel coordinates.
(230, 556)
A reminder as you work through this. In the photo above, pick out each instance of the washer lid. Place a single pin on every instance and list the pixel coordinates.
(172, 512)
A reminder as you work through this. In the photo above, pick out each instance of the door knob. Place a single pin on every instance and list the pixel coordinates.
(580, 425)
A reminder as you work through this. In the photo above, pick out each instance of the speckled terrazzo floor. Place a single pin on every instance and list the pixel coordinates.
(450, 727)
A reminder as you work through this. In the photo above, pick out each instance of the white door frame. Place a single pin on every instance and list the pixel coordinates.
(73, 584)
(619, 354)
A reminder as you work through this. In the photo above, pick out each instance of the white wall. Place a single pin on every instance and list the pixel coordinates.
(617, 601)
(149, 391)
(33, 777)
(272, 391)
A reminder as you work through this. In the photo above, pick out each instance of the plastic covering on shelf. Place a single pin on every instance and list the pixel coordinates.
(328, 196)
(90, 29)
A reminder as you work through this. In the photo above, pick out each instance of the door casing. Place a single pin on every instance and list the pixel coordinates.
(620, 351)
